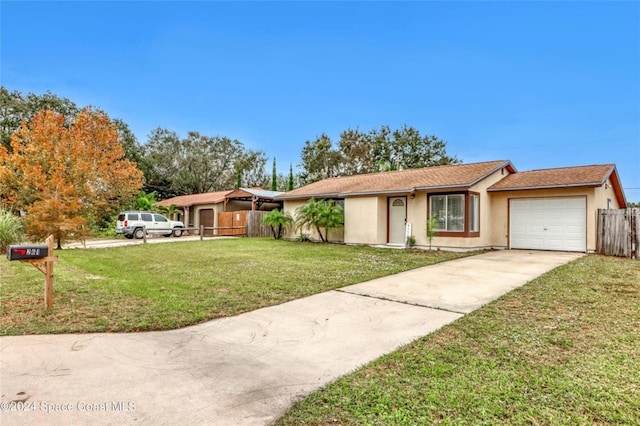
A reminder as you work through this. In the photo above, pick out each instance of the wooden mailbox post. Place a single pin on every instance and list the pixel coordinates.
(42, 258)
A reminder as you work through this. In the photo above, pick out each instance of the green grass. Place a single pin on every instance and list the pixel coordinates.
(164, 286)
(563, 349)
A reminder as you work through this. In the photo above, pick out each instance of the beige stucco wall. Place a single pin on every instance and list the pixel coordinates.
(500, 210)
(290, 207)
(604, 193)
(484, 240)
(365, 220)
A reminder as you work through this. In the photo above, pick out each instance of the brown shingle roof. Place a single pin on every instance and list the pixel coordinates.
(450, 176)
(553, 178)
(190, 200)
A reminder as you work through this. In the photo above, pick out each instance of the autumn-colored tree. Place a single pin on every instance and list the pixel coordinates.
(62, 176)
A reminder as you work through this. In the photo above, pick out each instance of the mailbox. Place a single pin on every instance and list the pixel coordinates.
(27, 252)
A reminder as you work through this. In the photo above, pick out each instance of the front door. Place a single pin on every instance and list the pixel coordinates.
(397, 219)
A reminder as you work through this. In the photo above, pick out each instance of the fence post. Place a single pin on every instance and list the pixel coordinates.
(201, 232)
(144, 236)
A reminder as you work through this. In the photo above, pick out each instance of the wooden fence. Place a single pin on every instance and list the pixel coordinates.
(619, 232)
(230, 223)
(255, 228)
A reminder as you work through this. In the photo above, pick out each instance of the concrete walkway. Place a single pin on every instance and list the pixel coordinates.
(248, 369)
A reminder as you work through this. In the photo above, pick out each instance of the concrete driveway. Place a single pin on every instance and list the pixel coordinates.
(248, 369)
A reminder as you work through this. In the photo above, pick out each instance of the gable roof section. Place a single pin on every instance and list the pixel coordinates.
(455, 176)
(190, 200)
(564, 177)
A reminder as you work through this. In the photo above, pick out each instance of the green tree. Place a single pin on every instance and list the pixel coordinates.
(290, 186)
(252, 165)
(199, 163)
(320, 214)
(320, 160)
(357, 155)
(132, 149)
(277, 220)
(412, 150)
(238, 179)
(146, 202)
(16, 108)
(274, 176)
(378, 150)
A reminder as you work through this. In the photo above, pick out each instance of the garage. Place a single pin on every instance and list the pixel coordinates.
(553, 223)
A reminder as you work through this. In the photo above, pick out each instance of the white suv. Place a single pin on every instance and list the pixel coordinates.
(133, 224)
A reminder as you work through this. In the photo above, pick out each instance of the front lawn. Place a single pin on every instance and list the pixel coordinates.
(163, 286)
(563, 349)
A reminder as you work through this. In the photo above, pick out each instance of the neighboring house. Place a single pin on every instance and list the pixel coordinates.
(204, 209)
(478, 205)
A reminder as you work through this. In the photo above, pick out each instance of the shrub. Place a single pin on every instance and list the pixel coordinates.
(11, 229)
(303, 238)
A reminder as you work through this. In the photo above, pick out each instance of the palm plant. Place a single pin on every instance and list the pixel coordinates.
(432, 229)
(277, 220)
(168, 211)
(320, 214)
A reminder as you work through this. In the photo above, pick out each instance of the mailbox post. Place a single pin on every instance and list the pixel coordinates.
(42, 258)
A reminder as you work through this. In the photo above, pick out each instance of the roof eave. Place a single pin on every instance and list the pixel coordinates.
(374, 193)
(617, 186)
(285, 197)
(568, 185)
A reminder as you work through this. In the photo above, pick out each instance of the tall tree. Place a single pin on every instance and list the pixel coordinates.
(413, 150)
(356, 150)
(160, 162)
(129, 142)
(378, 150)
(16, 108)
(320, 160)
(274, 176)
(64, 176)
(199, 163)
(290, 186)
(252, 165)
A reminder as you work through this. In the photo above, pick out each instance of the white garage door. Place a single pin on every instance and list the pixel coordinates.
(548, 223)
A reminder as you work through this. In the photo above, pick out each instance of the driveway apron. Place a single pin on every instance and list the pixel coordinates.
(248, 369)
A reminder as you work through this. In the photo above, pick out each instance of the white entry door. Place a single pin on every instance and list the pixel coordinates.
(397, 219)
(548, 223)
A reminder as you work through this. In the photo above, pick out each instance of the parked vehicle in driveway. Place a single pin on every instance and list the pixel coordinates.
(133, 224)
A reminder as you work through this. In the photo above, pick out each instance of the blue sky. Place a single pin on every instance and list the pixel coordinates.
(543, 84)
